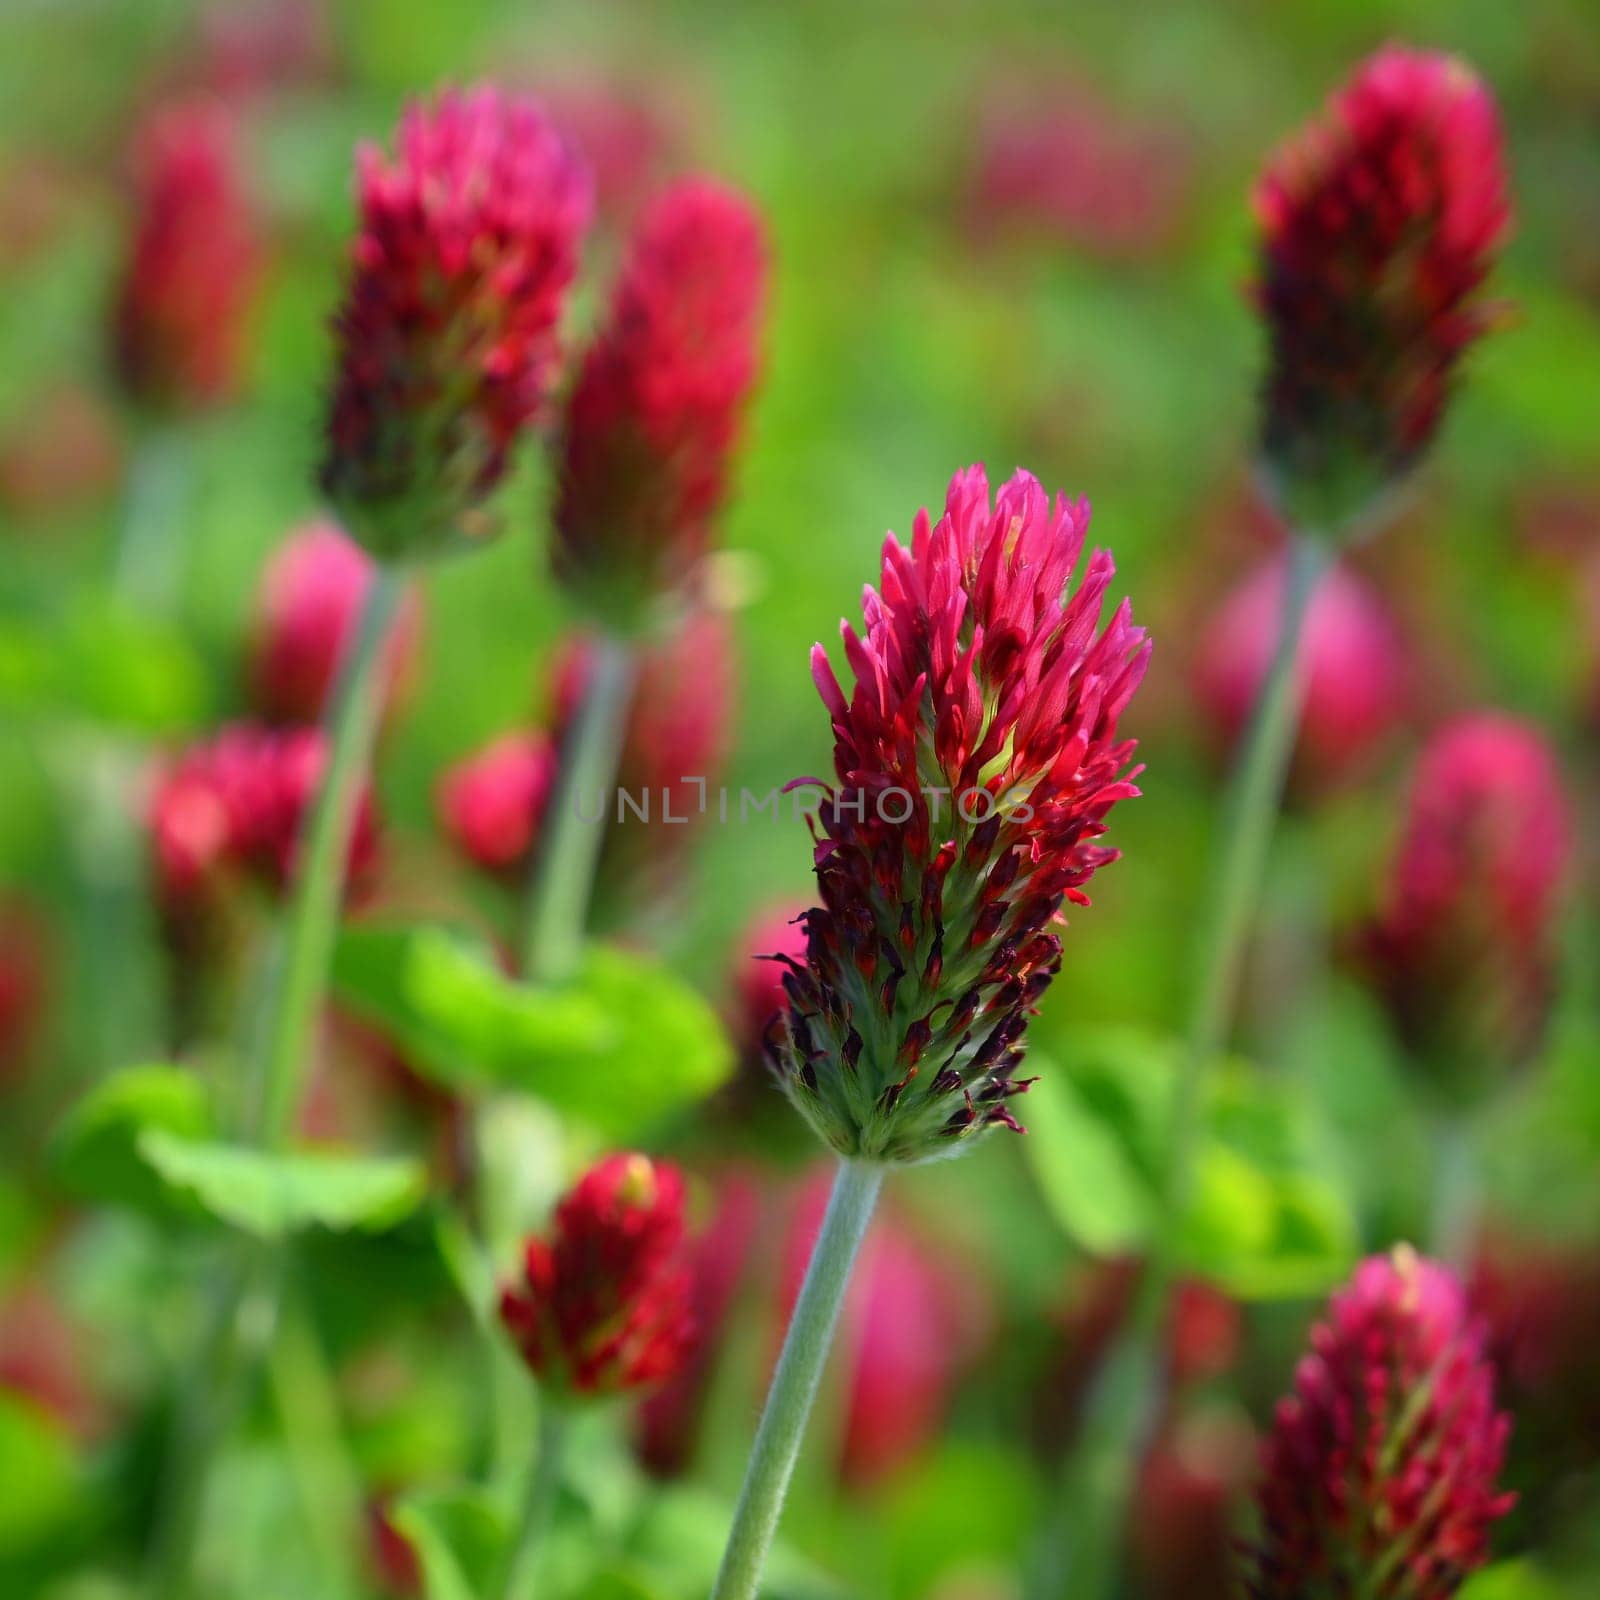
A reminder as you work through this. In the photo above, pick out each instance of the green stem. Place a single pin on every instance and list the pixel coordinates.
(562, 883)
(1246, 835)
(325, 1477)
(313, 920)
(1096, 1484)
(538, 1506)
(556, 915)
(794, 1384)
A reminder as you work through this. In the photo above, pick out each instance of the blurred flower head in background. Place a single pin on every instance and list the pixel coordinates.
(1379, 1475)
(652, 421)
(491, 804)
(193, 265)
(1462, 951)
(985, 688)
(230, 809)
(447, 339)
(307, 612)
(770, 942)
(1355, 666)
(604, 1305)
(1379, 224)
(1054, 162)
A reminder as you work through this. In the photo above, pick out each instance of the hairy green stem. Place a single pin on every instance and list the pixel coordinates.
(794, 1384)
(562, 882)
(538, 1507)
(1096, 1484)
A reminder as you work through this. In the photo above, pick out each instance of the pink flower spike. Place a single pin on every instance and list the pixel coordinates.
(1379, 1475)
(1379, 224)
(654, 417)
(1462, 951)
(193, 266)
(447, 339)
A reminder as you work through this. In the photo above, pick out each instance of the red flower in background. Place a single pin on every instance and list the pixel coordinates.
(447, 338)
(1201, 1341)
(674, 743)
(492, 803)
(1379, 1475)
(912, 1322)
(1356, 671)
(1054, 160)
(62, 454)
(1462, 951)
(770, 943)
(24, 981)
(628, 134)
(652, 420)
(1191, 1481)
(1540, 1302)
(232, 808)
(604, 1305)
(985, 689)
(719, 1258)
(44, 1356)
(1380, 223)
(307, 613)
(193, 265)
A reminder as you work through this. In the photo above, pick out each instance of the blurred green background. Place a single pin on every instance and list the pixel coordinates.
(913, 330)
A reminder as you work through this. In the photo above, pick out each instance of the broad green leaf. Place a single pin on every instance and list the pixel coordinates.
(270, 1195)
(1085, 1169)
(458, 1535)
(95, 1151)
(1265, 1222)
(619, 1047)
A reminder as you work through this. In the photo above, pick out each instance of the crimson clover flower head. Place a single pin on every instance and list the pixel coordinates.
(1354, 662)
(492, 804)
(655, 413)
(193, 265)
(975, 763)
(1379, 224)
(307, 615)
(1462, 952)
(604, 1305)
(447, 339)
(230, 810)
(1379, 1474)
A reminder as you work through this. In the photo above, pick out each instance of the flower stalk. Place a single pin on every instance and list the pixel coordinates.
(1097, 1482)
(795, 1382)
(308, 935)
(568, 853)
(538, 1507)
